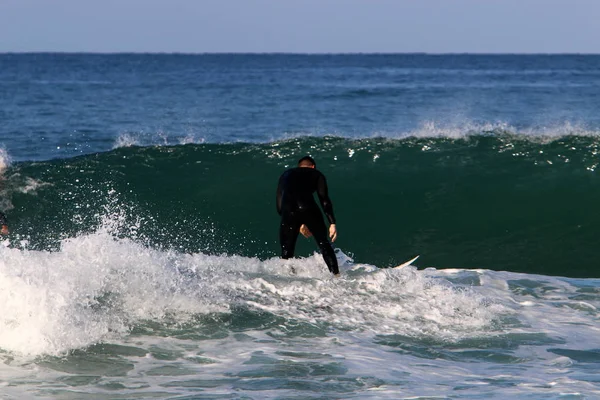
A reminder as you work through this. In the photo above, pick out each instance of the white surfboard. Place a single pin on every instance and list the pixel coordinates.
(406, 263)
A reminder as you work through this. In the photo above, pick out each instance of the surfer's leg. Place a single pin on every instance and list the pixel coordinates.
(288, 234)
(314, 222)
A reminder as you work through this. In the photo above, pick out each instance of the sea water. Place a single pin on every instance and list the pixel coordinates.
(143, 257)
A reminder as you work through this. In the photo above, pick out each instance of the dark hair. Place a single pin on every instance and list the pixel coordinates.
(306, 160)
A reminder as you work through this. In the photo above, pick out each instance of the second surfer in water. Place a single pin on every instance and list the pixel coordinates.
(3, 224)
(300, 213)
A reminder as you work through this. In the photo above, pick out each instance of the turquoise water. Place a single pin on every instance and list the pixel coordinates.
(142, 260)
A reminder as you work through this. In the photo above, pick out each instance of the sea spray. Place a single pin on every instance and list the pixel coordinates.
(97, 288)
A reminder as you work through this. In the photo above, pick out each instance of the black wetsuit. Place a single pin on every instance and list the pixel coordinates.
(3, 220)
(297, 206)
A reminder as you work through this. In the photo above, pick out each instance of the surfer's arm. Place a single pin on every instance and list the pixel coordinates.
(305, 231)
(323, 194)
(333, 232)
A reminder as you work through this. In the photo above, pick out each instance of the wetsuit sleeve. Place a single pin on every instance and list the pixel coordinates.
(323, 194)
(3, 220)
(279, 194)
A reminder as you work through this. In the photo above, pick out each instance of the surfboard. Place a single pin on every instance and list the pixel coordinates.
(406, 263)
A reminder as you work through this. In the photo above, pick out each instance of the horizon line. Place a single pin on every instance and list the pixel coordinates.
(302, 53)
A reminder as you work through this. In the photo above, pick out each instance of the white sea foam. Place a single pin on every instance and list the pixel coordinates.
(156, 139)
(126, 140)
(433, 129)
(30, 186)
(461, 129)
(464, 129)
(96, 288)
(192, 139)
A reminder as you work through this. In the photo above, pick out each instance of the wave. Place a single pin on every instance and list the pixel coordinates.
(427, 129)
(499, 201)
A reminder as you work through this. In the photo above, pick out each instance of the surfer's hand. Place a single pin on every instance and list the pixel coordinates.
(305, 232)
(4, 230)
(332, 232)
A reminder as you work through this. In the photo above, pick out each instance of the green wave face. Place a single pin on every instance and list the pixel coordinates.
(498, 202)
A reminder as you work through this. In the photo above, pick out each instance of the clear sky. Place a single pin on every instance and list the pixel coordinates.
(301, 26)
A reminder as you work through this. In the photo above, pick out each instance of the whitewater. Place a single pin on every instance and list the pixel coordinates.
(106, 315)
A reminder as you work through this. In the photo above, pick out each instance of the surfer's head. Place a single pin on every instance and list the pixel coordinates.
(307, 161)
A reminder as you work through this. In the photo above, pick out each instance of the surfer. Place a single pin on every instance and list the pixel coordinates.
(3, 224)
(300, 213)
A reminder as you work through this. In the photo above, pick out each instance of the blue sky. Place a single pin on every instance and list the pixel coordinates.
(301, 26)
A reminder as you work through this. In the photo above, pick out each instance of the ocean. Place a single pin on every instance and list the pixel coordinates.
(142, 260)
